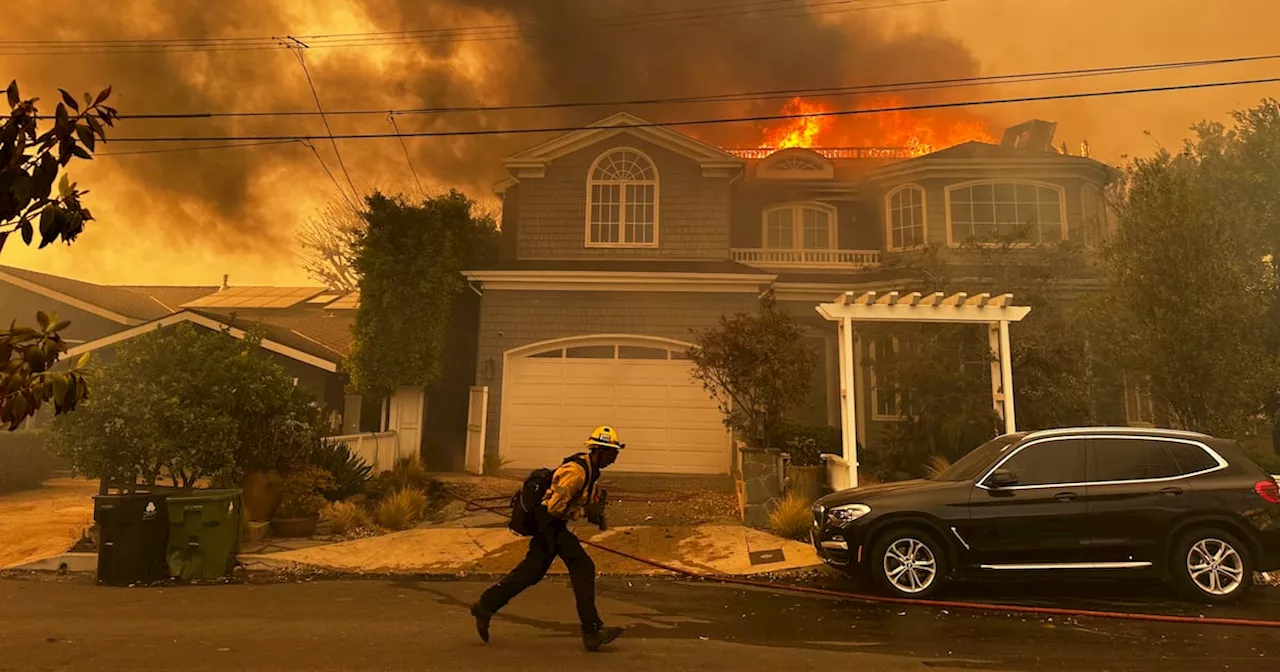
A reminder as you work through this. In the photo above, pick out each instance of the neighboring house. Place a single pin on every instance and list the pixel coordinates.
(619, 240)
(306, 330)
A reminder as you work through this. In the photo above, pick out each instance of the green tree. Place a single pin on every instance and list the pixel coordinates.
(187, 404)
(410, 259)
(757, 366)
(30, 162)
(1191, 294)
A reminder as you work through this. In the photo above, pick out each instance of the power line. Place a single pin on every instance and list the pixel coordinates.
(392, 118)
(689, 18)
(230, 145)
(316, 95)
(832, 91)
(724, 120)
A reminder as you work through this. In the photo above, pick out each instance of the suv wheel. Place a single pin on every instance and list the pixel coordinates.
(908, 562)
(1212, 565)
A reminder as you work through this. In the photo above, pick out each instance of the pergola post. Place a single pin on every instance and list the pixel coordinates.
(1006, 378)
(848, 400)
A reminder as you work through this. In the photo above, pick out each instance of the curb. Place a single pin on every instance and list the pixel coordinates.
(63, 564)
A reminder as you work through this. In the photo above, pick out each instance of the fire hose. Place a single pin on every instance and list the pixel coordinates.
(473, 505)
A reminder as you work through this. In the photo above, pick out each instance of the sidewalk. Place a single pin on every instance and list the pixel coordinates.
(43, 523)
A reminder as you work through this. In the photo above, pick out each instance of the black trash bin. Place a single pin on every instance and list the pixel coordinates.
(133, 531)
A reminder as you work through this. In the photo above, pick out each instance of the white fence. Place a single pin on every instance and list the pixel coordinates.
(837, 472)
(379, 449)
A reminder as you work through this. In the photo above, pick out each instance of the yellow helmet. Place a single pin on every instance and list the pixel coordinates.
(604, 436)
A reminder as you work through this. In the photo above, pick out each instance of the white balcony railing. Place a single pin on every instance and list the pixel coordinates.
(811, 259)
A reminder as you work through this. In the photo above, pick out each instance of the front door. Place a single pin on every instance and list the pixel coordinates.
(1137, 490)
(1037, 522)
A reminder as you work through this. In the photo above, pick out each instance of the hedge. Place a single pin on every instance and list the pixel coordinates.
(24, 461)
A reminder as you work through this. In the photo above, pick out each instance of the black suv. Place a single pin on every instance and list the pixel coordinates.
(1097, 500)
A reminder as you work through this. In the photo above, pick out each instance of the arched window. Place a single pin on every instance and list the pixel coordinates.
(800, 226)
(622, 200)
(998, 212)
(905, 211)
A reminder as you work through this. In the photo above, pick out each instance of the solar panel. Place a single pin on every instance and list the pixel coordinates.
(325, 298)
(255, 297)
(348, 302)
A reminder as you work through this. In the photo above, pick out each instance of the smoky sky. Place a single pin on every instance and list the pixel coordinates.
(563, 50)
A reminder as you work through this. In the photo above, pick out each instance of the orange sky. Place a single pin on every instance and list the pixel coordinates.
(190, 217)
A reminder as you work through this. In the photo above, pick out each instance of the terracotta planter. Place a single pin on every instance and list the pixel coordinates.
(261, 495)
(806, 482)
(295, 527)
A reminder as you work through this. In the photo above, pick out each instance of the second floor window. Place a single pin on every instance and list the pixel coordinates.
(996, 212)
(906, 218)
(622, 200)
(804, 226)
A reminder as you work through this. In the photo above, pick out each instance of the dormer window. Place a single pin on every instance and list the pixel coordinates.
(796, 163)
(800, 226)
(622, 200)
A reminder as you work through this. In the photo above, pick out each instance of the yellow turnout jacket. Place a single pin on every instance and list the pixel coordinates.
(572, 487)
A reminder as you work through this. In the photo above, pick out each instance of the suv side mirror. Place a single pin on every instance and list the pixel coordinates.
(1002, 478)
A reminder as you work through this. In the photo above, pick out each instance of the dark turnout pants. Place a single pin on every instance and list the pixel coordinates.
(553, 539)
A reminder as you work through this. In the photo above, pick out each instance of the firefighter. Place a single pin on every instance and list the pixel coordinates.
(574, 491)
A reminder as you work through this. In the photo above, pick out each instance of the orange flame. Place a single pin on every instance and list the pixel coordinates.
(919, 131)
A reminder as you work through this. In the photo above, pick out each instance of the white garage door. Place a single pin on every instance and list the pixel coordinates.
(552, 400)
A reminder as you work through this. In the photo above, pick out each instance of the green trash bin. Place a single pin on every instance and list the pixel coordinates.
(204, 533)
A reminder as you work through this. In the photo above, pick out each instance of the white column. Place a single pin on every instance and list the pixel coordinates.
(1006, 379)
(997, 378)
(848, 401)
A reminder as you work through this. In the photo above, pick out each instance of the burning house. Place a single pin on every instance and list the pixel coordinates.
(618, 240)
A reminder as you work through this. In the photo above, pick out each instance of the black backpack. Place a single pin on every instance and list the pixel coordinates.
(528, 499)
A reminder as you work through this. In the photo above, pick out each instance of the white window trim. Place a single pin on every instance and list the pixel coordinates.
(622, 222)
(1062, 207)
(797, 224)
(1103, 231)
(875, 392)
(924, 218)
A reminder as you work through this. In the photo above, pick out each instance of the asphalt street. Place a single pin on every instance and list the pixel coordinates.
(404, 624)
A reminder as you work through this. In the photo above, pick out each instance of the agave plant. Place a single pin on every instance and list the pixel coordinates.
(350, 472)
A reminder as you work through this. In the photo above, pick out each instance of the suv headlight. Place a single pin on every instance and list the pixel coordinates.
(841, 515)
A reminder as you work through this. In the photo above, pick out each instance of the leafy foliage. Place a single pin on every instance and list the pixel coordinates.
(30, 161)
(807, 443)
(1191, 287)
(410, 259)
(188, 404)
(301, 492)
(757, 367)
(349, 471)
(27, 376)
(25, 463)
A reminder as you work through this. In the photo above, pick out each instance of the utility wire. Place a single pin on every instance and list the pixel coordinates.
(230, 145)
(334, 180)
(392, 118)
(724, 120)
(689, 18)
(820, 92)
(302, 61)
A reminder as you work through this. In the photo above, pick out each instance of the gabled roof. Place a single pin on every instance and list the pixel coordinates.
(532, 162)
(124, 305)
(277, 338)
(973, 154)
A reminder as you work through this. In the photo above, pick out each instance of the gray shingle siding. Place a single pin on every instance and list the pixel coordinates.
(693, 211)
(513, 319)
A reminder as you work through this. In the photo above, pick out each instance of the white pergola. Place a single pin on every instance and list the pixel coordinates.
(994, 311)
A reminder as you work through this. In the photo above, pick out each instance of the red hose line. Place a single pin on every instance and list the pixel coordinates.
(976, 606)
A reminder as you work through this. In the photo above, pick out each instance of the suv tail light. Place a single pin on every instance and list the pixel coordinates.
(1268, 490)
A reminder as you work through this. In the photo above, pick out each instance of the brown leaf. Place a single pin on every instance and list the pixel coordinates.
(13, 94)
(69, 100)
(103, 96)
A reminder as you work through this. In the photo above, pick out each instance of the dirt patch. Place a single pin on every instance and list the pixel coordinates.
(37, 524)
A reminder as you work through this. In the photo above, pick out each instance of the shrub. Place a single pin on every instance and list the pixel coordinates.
(936, 465)
(350, 472)
(24, 462)
(494, 463)
(792, 517)
(300, 493)
(807, 443)
(402, 509)
(347, 517)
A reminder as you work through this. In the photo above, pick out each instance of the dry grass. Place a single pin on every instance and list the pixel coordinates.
(936, 465)
(402, 509)
(408, 473)
(792, 517)
(347, 517)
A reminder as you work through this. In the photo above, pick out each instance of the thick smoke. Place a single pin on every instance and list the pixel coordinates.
(249, 200)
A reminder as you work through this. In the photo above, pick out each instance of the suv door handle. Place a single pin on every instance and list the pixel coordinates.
(1065, 496)
(1171, 491)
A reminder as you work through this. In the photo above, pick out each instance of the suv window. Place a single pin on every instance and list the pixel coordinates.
(1049, 462)
(1129, 459)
